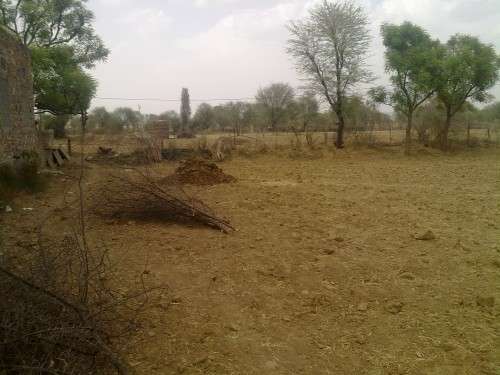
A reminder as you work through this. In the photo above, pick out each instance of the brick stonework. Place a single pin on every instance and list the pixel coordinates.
(17, 128)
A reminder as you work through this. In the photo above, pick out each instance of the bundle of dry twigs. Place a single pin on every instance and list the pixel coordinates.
(141, 196)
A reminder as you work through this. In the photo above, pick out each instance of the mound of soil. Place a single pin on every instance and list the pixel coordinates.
(201, 172)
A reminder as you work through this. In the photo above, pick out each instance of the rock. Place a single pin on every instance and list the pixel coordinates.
(407, 276)
(8, 209)
(202, 360)
(360, 339)
(485, 301)
(176, 300)
(394, 307)
(233, 327)
(329, 251)
(427, 236)
(448, 346)
(339, 239)
(271, 365)
(151, 334)
(363, 307)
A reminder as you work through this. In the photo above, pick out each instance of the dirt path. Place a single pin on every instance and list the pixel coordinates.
(324, 275)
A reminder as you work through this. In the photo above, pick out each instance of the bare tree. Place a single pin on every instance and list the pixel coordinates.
(330, 48)
(275, 101)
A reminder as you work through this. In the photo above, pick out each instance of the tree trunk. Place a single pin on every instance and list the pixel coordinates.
(339, 143)
(468, 133)
(446, 131)
(409, 129)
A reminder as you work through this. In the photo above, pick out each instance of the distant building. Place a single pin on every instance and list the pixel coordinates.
(17, 126)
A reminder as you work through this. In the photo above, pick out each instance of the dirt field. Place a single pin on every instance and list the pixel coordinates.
(324, 274)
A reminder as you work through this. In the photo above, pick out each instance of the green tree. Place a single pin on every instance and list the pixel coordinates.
(411, 58)
(62, 87)
(204, 117)
(50, 23)
(330, 48)
(306, 110)
(173, 120)
(63, 42)
(185, 110)
(100, 118)
(56, 123)
(127, 117)
(275, 101)
(469, 69)
(490, 113)
(239, 114)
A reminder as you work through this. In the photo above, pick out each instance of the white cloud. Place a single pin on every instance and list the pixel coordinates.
(231, 49)
(205, 3)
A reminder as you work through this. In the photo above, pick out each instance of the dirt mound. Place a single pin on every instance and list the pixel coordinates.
(201, 172)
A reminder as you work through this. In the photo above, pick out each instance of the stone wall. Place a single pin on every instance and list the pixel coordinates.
(17, 128)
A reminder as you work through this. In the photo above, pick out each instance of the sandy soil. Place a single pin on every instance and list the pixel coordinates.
(324, 274)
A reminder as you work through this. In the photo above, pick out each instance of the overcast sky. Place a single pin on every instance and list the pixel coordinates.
(230, 48)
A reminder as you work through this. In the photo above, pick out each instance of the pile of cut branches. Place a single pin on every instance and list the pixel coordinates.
(141, 196)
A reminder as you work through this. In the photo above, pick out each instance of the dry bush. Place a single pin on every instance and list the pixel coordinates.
(311, 141)
(62, 307)
(296, 142)
(223, 148)
(151, 149)
(60, 312)
(305, 154)
(202, 145)
(21, 175)
(252, 147)
(298, 151)
(363, 139)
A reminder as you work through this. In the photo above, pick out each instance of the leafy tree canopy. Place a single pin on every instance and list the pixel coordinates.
(62, 86)
(51, 23)
(469, 69)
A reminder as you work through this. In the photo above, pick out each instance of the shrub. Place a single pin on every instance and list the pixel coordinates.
(21, 175)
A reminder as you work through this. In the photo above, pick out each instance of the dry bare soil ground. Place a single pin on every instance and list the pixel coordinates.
(324, 274)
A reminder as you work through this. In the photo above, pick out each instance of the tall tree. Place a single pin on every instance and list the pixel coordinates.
(185, 109)
(275, 101)
(469, 69)
(411, 58)
(330, 48)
